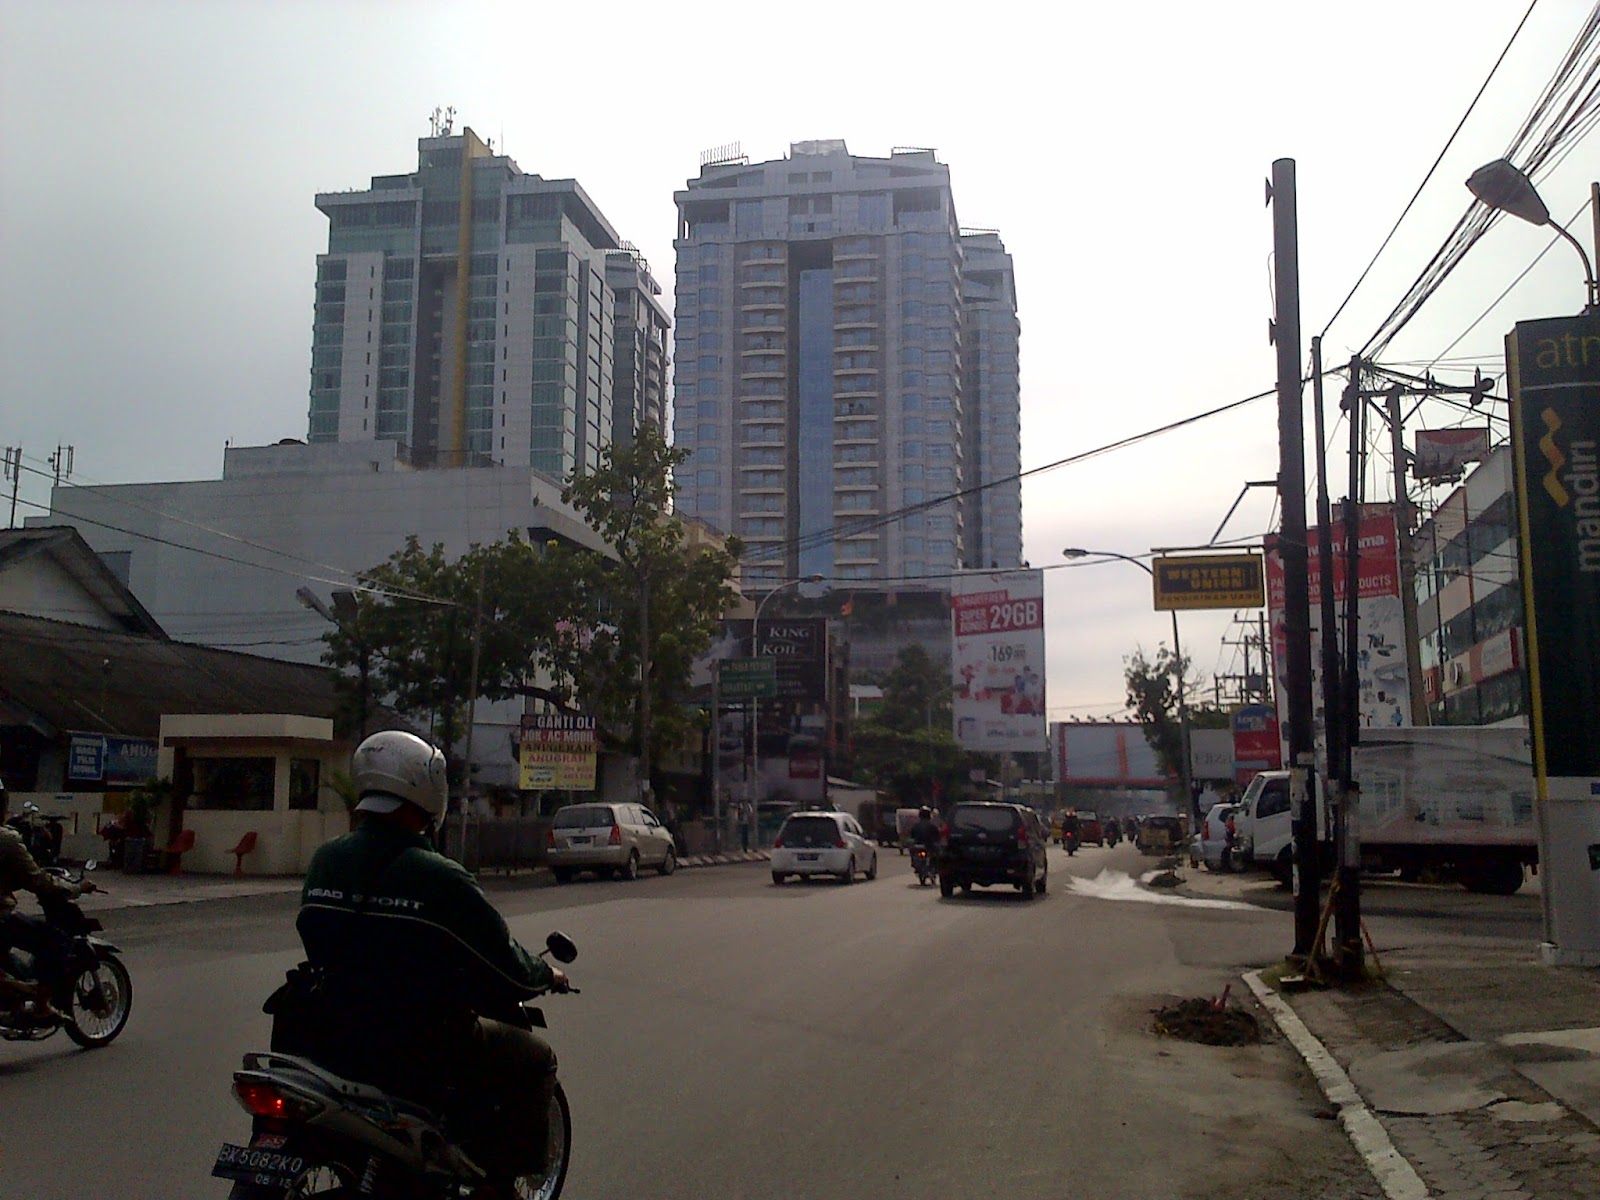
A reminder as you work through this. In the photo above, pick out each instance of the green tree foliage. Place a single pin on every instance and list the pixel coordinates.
(1153, 696)
(906, 747)
(553, 621)
(916, 693)
(657, 584)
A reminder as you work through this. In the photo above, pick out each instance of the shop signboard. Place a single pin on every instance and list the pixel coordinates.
(1205, 581)
(558, 751)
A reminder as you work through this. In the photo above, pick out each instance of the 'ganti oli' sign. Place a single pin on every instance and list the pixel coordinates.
(997, 660)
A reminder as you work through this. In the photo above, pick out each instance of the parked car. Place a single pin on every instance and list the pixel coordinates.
(608, 839)
(1215, 843)
(823, 843)
(1089, 829)
(1161, 835)
(989, 842)
(1262, 829)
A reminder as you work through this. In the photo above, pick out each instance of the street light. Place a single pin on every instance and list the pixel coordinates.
(758, 791)
(1504, 188)
(344, 614)
(1177, 660)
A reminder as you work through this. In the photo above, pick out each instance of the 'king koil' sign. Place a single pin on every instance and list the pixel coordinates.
(1555, 417)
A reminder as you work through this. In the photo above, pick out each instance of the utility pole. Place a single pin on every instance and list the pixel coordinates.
(644, 681)
(1346, 832)
(1347, 916)
(14, 474)
(472, 697)
(1417, 706)
(1292, 547)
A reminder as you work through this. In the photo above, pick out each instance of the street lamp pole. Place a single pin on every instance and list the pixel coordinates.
(757, 787)
(1177, 665)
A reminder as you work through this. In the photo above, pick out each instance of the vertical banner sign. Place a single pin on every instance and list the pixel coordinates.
(558, 751)
(1555, 436)
(997, 661)
(1381, 673)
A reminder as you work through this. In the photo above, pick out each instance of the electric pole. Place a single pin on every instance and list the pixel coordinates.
(1292, 547)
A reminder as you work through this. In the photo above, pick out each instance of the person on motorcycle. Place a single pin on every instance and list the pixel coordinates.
(18, 871)
(925, 832)
(414, 958)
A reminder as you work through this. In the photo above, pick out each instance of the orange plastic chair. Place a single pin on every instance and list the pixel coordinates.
(178, 849)
(246, 844)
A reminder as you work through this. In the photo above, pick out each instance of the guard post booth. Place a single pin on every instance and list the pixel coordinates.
(266, 773)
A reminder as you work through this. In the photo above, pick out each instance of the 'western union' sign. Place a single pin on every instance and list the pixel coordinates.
(1209, 581)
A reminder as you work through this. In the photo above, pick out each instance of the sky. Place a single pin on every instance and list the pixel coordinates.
(158, 234)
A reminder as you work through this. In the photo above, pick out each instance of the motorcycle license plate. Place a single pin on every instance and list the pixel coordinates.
(262, 1167)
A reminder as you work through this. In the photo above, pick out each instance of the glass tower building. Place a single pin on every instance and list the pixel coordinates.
(474, 314)
(846, 370)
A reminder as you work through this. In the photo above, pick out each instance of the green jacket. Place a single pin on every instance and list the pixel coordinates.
(18, 871)
(398, 920)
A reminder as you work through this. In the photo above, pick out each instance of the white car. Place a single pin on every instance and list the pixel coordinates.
(1215, 846)
(823, 843)
(608, 839)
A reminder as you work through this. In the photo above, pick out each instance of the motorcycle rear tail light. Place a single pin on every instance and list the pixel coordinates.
(616, 836)
(263, 1098)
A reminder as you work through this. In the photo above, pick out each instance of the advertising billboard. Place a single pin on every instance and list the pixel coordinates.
(558, 750)
(1205, 581)
(997, 661)
(1381, 672)
(1105, 754)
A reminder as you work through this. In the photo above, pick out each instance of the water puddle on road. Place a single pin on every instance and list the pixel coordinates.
(1119, 885)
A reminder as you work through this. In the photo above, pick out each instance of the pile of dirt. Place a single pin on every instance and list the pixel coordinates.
(1200, 1020)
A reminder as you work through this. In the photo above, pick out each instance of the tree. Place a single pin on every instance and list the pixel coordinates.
(1153, 696)
(916, 692)
(567, 624)
(661, 599)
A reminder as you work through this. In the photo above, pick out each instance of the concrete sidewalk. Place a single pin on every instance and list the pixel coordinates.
(143, 891)
(1466, 1074)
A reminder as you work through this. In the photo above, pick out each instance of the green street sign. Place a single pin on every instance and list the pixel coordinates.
(748, 678)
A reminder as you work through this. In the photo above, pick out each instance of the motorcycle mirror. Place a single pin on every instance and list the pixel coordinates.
(561, 947)
(91, 864)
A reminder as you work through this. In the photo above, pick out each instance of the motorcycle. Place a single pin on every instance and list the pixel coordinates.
(1113, 834)
(314, 1133)
(88, 983)
(922, 864)
(1069, 839)
(41, 834)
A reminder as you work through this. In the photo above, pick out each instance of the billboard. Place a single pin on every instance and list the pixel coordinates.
(997, 661)
(1105, 754)
(1381, 672)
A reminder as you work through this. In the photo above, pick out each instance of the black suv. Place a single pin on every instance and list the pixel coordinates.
(994, 843)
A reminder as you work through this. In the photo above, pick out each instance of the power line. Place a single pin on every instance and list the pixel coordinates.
(1448, 143)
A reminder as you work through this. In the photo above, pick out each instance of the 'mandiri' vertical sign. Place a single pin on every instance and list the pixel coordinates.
(1555, 430)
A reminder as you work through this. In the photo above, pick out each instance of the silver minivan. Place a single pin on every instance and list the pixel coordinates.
(610, 840)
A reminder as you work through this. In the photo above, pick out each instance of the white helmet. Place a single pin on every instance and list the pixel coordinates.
(391, 768)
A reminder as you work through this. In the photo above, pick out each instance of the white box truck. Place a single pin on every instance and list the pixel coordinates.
(1457, 799)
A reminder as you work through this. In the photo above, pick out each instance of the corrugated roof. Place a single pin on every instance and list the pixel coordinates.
(58, 677)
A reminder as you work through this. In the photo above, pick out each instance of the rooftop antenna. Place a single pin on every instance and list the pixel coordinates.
(441, 121)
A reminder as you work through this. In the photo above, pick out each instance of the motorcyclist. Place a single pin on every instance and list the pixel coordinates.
(19, 871)
(1070, 832)
(925, 832)
(413, 958)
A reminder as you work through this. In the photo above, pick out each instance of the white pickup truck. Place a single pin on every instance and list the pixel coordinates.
(1451, 798)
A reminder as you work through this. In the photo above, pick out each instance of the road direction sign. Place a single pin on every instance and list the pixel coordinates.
(748, 678)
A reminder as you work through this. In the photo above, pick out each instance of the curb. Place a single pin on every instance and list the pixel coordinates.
(1389, 1167)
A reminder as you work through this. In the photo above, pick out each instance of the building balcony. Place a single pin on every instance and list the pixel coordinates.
(755, 304)
(852, 255)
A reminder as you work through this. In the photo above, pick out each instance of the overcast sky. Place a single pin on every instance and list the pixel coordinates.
(158, 236)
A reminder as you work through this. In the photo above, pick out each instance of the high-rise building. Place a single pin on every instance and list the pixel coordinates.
(490, 320)
(846, 368)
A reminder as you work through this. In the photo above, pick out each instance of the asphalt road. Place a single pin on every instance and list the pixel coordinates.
(736, 1039)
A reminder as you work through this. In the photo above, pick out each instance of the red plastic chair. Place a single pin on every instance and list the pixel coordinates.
(246, 844)
(178, 849)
